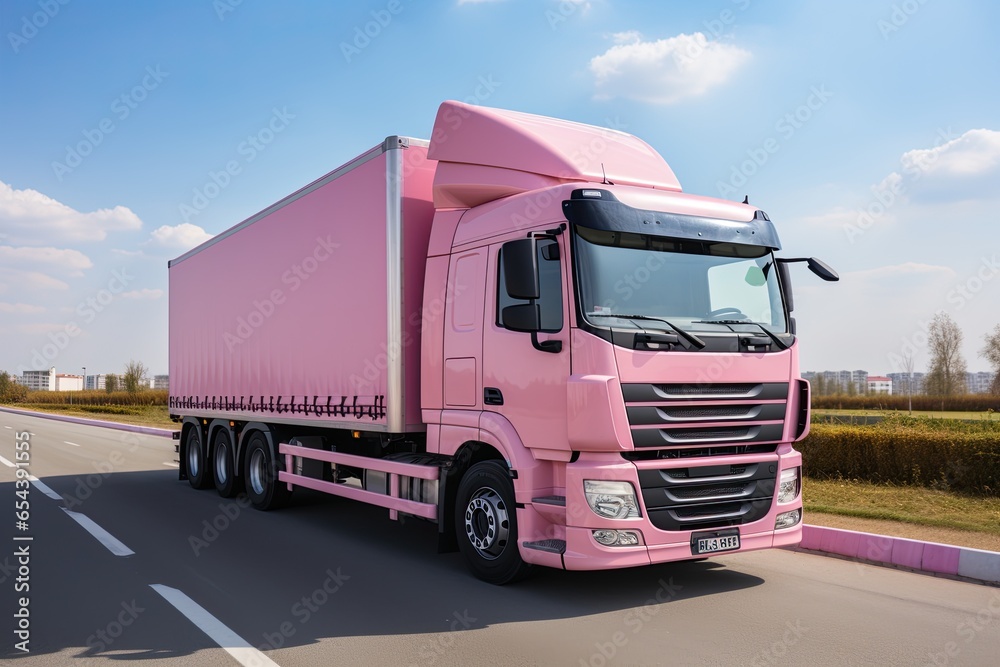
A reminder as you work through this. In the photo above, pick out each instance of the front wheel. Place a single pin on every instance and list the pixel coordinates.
(260, 474)
(486, 524)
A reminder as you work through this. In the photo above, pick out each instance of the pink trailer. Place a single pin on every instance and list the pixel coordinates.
(523, 330)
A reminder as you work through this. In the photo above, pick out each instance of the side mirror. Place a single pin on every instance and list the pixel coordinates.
(524, 317)
(822, 269)
(520, 269)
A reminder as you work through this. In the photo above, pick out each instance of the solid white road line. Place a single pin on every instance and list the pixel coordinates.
(44, 488)
(8, 427)
(6, 462)
(71, 443)
(104, 537)
(230, 642)
(172, 464)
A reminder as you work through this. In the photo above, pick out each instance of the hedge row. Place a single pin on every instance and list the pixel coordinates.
(965, 403)
(935, 453)
(98, 397)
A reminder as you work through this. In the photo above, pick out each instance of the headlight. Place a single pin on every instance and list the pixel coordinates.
(611, 500)
(788, 485)
(787, 519)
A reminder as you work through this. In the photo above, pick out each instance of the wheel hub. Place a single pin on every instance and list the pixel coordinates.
(487, 523)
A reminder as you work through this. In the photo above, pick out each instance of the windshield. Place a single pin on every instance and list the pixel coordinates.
(689, 283)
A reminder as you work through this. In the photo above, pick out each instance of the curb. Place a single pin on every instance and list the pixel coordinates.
(145, 430)
(929, 557)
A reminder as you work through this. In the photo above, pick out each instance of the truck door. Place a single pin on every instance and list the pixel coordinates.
(521, 382)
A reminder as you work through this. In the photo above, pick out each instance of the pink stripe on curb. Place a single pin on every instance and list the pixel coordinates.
(145, 430)
(912, 554)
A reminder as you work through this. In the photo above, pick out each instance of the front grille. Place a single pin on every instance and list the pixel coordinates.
(704, 497)
(711, 419)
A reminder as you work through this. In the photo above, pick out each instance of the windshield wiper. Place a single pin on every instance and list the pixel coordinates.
(770, 334)
(689, 337)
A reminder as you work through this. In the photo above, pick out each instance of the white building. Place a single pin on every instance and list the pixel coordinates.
(879, 385)
(979, 383)
(69, 382)
(94, 382)
(160, 382)
(39, 380)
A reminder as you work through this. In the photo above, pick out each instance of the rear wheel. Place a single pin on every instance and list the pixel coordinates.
(260, 473)
(194, 457)
(486, 524)
(223, 465)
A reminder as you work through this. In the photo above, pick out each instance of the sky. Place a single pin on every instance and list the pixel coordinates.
(131, 132)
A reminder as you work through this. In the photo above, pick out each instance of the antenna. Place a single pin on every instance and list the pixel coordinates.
(605, 175)
(746, 199)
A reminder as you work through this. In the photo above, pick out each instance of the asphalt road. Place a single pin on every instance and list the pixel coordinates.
(327, 581)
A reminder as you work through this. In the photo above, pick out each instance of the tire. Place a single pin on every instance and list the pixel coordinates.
(224, 465)
(486, 524)
(260, 475)
(198, 472)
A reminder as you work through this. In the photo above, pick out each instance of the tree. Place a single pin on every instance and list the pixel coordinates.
(907, 361)
(991, 352)
(819, 384)
(134, 378)
(946, 376)
(110, 383)
(11, 391)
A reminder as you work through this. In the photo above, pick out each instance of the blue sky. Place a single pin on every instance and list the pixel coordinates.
(869, 132)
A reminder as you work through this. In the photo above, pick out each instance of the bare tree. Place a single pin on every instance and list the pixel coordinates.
(907, 363)
(110, 383)
(991, 352)
(946, 376)
(134, 378)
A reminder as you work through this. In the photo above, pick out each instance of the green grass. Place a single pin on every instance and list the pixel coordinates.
(141, 415)
(908, 504)
(935, 414)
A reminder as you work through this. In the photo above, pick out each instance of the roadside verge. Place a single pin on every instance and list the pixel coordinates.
(145, 430)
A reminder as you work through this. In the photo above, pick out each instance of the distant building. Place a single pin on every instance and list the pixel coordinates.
(879, 385)
(94, 381)
(901, 383)
(979, 383)
(39, 380)
(69, 382)
(160, 382)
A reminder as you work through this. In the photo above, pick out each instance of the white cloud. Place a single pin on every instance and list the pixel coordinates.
(627, 37)
(143, 294)
(665, 71)
(66, 260)
(28, 280)
(28, 216)
(20, 309)
(181, 237)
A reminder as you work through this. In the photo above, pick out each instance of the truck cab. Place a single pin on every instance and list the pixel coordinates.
(624, 350)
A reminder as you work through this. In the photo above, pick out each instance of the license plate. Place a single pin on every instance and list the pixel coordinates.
(714, 542)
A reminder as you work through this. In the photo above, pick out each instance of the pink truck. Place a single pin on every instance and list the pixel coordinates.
(522, 330)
